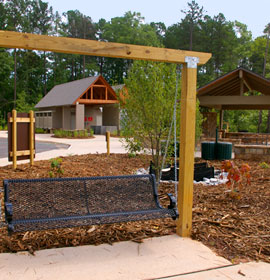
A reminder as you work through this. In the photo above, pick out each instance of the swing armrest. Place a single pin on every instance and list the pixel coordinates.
(173, 206)
(172, 201)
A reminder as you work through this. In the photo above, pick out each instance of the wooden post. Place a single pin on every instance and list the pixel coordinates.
(221, 116)
(91, 93)
(187, 147)
(31, 137)
(108, 142)
(14, 138)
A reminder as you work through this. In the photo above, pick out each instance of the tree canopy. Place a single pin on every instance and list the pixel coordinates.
(31, 74)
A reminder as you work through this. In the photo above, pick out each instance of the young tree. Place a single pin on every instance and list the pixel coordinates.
(148, 107)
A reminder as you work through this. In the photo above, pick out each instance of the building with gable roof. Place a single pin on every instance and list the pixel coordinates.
(82, 104)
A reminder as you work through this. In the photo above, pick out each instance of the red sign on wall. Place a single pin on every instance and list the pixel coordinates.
(88, 119)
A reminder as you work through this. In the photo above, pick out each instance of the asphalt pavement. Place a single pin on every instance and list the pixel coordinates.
(40, 147)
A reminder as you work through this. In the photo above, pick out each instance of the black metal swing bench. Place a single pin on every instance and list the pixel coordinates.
(41, 204)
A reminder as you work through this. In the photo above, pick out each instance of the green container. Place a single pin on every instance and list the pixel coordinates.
(208, 150)
(224, 150)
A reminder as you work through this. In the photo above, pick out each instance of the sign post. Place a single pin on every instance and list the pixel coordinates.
(21, 137)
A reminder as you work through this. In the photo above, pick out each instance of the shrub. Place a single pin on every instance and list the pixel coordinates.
(237, 177)
(56, 169)
(91, 132)
(264, 165)
(39, 130)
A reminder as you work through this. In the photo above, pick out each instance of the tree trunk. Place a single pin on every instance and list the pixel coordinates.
(45, 75)
(100, 66)
(72, 70)
(264, 67)
(191, 36)
(84, 66)
(268, 122)
(259, 121)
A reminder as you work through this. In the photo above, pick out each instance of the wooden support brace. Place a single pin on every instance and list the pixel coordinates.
(31, 137)
(14, 138)
(99, 86)
(187, 148)
(21, 120)
(22, 153)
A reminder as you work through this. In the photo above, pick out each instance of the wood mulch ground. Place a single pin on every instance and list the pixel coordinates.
(238, 230)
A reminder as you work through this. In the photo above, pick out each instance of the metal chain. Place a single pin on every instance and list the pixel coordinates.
(175, 135)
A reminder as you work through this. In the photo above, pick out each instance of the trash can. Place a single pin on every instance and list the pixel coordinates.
(224, 150)
(208, 150)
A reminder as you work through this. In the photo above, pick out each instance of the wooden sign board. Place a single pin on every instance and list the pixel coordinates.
(22, 137)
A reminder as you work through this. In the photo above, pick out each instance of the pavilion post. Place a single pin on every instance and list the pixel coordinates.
(187, 146)
(221, 116)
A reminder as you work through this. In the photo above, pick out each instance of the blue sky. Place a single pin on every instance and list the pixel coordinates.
(255, 14)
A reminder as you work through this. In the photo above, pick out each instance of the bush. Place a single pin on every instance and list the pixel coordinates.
(237, 177)
(73, 133)
(91, 132)
(56, 168)
(40, 130)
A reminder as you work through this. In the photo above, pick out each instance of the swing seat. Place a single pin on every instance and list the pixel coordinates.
(41, 204)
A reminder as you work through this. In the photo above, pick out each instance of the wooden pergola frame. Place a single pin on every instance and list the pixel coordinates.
(189, 59)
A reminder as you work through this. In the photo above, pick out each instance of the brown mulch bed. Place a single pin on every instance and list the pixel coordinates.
(238, 230)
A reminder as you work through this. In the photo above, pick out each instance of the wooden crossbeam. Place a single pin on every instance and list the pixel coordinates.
(97, 101)
(21, 120)
(247, 85)
(21, 153)
(9, 39)
(233, 100)
(99, 86)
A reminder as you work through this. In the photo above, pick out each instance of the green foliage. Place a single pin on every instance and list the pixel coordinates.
(56, 169)
(237, 177)
(148, 110)
(132, 155)
(83, 133)
(91, 132)
(264, 165)
(61, 133)
(21, 104)
(230, 43)
(40, 130)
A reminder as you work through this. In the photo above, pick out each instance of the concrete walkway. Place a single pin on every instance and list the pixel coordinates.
(169, 257)
(76, 147)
